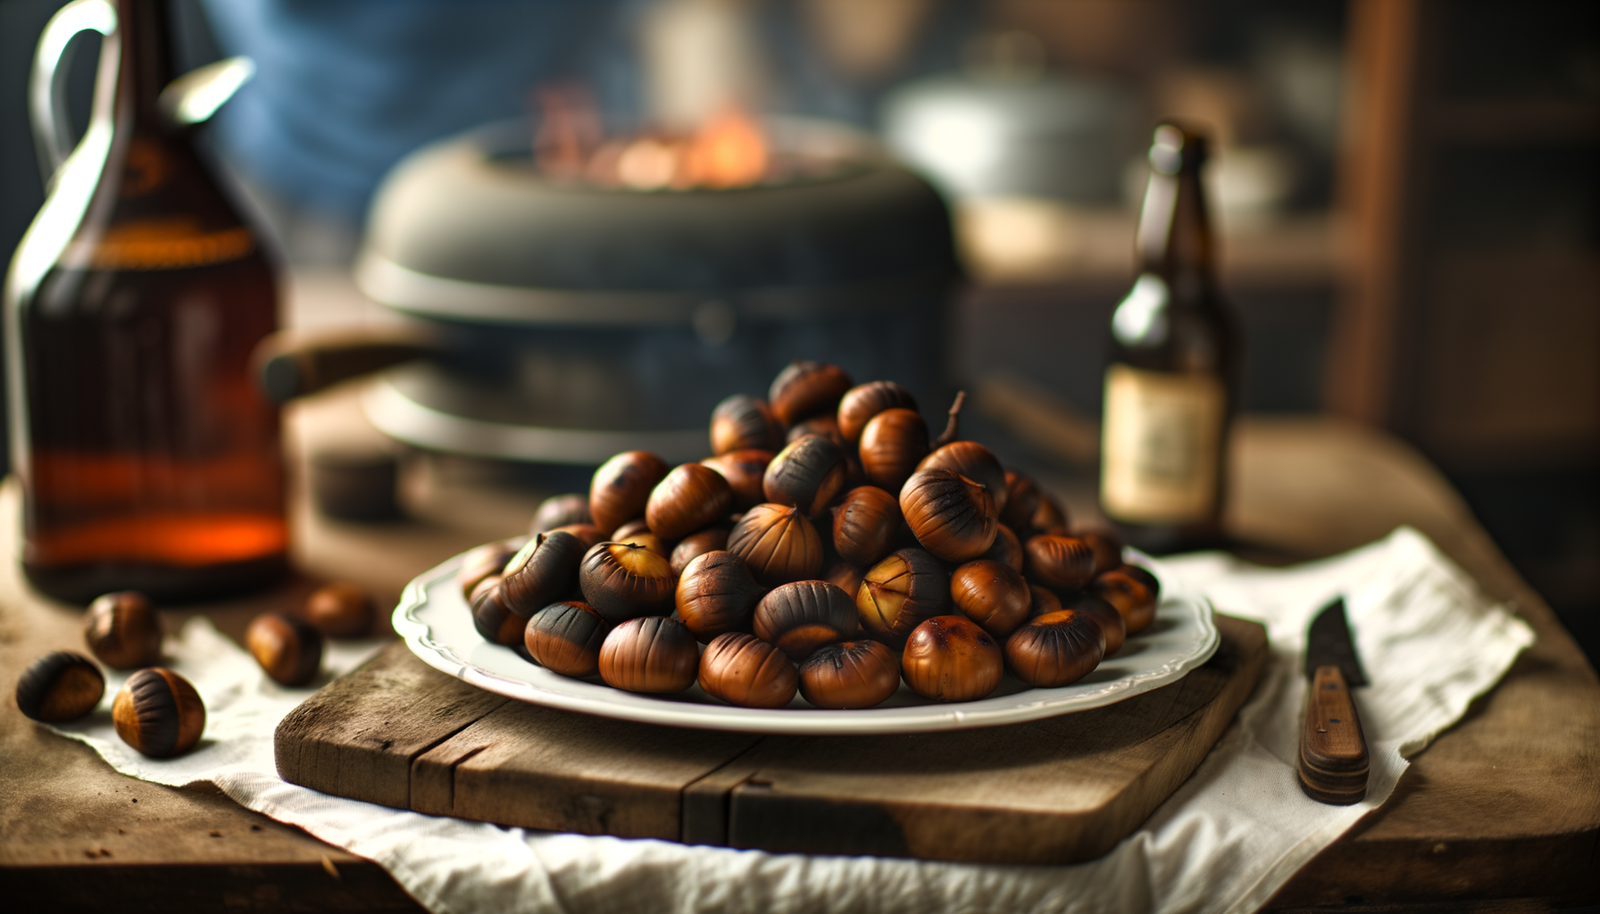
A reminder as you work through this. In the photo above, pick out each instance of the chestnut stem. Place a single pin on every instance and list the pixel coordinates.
(952, 429)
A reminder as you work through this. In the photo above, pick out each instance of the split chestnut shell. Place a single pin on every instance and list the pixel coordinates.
(900, 592)
(622, 581)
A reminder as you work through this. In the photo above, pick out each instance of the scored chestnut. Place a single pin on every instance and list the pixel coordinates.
(621, 487)
(340, 609)
(802, 616)
(850, 674)
(744, 470)
(491, 618)
(60, 686)
(622, 581)
(743, 670)
(992, 594)
(949, 658)
(1007, 549)
(1055, 649)
(566, 637)
(778, 543)
(123, 631)
(845, 576)
(1133, 591)
(1022, 500)
(649, 654)
(892, 444)
(901, 591)
(289, 650)
(543, 571)
(1063, 562)
(974, 461)
(952, 516)
(691, 547)
(742, 421)
(866, 525)
(807, 473)
(636, 532)
(689, 497)
(158, 713)
(805, 388)
(483, 561)
(717, 594)
(1111, 623)
(860, 403)
(559, 511)
(1107, 548)
(1041, 600)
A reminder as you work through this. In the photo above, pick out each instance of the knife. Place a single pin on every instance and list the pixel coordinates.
(1333, 750)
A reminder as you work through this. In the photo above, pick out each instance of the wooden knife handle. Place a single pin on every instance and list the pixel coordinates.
(1333, 750)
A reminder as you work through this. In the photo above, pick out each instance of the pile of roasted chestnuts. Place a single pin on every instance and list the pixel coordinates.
(827, 547)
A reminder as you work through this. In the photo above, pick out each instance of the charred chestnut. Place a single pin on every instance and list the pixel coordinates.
(1133, 591)
(804, 388)
(490, 616)
(807, 474)
(952, 516)
(717, 594)
(649, 654)
(565, 638)
(60, 686)
(949, 658)
(1104, 615)
(850, 674)
(622, 581)
(991, 594)
(1007, 549)
(744, 470)
(866, 525)
(892, 444)
(1055, 649)
(158, 713)
(341, 610)
(802, 616)
(862, 402)
(290, 651)
(1106, 546)
(845, 576)
(484, 561)
(974, 461)
(741, 422)
(542, 572)
(778, 543)
(691, 547)
(900, 592)
(123, 631)
(1042, 600)
(741, 669)
(560, 511)
(621, 488)
(689, 497)
(1063, 562)
(1022, 501)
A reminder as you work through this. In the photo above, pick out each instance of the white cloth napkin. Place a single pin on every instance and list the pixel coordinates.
(1232, 834)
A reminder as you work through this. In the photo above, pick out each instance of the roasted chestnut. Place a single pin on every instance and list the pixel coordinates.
(802, 616)
(60, 686)
(949, 658)
(992, 594)
(559, 511)
(542, 572)
(1104, 614)
(159, 713)
(689, 497)
(823, 426)
(900, 592)
(717, 594)
(850, 674)
(288, 649)
(866, 525)
(490, 616)
(1049, 517)
(974, 461)
(565, 638)
(1055, 649)
(804, 388)
(862, 402)
(691, 547)
(807, 474)
(1042, 600)
(952, 516)
(740, 422)
(1063, 562)
(123, 631)
(649, 654)
(744, 469)
(778, 543)
(341, 610)
(622, 581)
(1133, 591)
(1007, 549)
(845, 576)
(1022, 500)
(741, 669)
(1107, 548)
(484, 561)
(892, 445)
(588, 534)
(637, 532)
(621, 488)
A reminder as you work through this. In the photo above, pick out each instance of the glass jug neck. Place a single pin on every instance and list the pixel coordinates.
(146, 63)
(1174, 235)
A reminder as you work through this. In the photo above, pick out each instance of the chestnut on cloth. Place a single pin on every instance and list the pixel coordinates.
(1230, 836)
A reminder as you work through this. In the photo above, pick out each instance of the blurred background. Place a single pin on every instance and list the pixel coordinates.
(1408, 191)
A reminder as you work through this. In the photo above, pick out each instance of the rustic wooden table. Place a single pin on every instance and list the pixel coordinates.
(1500, 813)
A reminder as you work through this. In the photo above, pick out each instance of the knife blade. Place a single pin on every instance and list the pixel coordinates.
(1333, 750)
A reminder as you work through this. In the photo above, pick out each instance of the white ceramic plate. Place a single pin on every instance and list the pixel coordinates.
(437, 625)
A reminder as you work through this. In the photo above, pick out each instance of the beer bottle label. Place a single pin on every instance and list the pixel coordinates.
(1160, 445)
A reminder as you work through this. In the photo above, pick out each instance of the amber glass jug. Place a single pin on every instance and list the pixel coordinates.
(147, 458)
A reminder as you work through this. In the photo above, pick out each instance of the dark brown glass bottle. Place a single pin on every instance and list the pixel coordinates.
(147, 459)
(1171, 388)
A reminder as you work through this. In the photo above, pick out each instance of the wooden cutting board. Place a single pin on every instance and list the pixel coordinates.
(1065, 789)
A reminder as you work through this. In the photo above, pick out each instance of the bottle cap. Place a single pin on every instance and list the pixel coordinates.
(1175, 147)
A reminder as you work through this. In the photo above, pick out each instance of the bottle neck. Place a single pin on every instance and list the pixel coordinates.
(146, 63)
(1174, 235)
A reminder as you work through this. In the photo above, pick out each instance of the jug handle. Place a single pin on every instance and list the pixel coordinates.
(47, 98)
